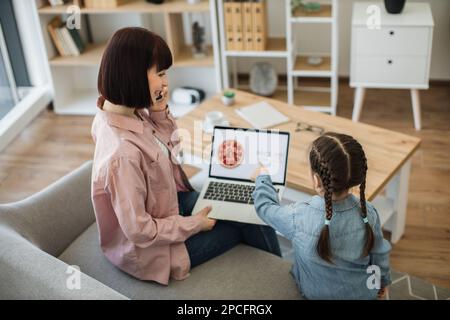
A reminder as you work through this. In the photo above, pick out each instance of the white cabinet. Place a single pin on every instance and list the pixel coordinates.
(390, 51)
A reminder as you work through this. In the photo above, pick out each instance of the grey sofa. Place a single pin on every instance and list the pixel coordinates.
(42, 235)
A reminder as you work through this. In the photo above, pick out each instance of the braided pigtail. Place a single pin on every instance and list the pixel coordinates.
(323, 244)
(362, 196)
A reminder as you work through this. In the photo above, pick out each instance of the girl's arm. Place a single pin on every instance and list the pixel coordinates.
(268, 208)
(380, 252)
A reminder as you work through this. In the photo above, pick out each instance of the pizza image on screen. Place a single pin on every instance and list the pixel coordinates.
(230, 154)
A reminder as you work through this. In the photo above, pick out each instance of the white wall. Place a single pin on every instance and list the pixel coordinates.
(318, 41)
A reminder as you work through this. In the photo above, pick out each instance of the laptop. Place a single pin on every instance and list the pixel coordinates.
(235, 155)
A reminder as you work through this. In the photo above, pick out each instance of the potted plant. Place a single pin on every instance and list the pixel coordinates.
(228, 97)
(307, 7)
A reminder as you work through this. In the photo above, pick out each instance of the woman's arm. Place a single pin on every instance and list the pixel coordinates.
(127, 188)
(268, 208)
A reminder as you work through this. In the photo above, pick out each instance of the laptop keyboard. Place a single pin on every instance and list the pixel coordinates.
(229, 192)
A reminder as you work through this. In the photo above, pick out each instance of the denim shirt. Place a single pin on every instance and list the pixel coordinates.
(348, 277)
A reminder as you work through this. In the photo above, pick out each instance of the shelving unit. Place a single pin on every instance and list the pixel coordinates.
(288, 48)
(75, 77)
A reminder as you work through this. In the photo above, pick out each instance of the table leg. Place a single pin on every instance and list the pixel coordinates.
(415, 97)
(397, 191)
(235, 73)
(359, 100)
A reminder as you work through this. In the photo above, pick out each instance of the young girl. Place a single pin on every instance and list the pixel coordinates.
(335, 235)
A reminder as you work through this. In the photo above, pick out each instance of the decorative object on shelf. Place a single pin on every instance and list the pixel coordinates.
(394, 6)
(155, 1)
(228, 97)
(309, 7)
(188, 95)
(314, 61)
(198, 40)
(263, 79)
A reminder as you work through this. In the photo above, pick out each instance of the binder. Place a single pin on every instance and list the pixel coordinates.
(259, 25)
(247, 25)
(228, 22)
(237, 24)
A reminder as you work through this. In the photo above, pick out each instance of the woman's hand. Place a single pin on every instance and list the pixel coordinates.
(160, 99)
(207, 223)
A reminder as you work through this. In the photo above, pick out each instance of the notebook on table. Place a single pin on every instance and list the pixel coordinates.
(262, 115)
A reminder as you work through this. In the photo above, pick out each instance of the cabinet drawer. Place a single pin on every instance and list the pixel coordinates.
(390, 70)
(395, 40)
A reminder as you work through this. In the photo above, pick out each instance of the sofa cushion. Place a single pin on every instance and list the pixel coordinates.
(241, 273)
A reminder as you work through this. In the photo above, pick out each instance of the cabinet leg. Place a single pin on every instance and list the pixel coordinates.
(359, 100)
(415, 97)
(397, 191)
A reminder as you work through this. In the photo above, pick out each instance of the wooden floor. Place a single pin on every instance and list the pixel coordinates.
(52, 146)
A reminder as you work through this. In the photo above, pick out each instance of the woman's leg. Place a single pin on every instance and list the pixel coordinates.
(204, 246)
(207, 245)
(186, 202)
(259, 236)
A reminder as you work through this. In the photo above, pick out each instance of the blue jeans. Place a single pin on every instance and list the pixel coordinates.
(225, 235)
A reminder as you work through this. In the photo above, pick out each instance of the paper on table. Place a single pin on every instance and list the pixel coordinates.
(262, 115)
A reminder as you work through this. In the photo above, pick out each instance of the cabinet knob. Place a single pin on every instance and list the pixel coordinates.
(390, 61)
(391, 32)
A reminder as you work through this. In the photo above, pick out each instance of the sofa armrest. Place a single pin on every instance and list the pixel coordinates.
(29, 273)
(54, 217)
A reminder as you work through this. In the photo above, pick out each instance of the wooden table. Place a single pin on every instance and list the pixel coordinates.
(388, 153)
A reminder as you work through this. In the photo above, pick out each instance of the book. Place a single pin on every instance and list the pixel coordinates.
(228, 22)
(259, 25)
(52, 28)
(73, 49)
(78, 40)
(247, 25)
(262, 115)
(237, 25)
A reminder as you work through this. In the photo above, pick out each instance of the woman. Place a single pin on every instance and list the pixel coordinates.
(141, 196)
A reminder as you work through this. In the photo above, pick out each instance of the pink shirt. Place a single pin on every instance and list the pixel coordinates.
(134, 193)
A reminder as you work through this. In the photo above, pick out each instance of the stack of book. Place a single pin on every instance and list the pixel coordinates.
(245, 25)
(68, 41)
(104, 4)
(55, 3)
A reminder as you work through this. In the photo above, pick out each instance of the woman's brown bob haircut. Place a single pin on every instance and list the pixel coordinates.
(130, 53)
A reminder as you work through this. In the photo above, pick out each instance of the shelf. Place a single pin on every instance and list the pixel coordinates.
(81, 102)
(93, 55)
(325, 15)
(302, 68)
(138, 6)
(276, 47)
(185, 58)
(90, 57)
(312, 100)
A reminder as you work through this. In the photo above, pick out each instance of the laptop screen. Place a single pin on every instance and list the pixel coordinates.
(236, 153)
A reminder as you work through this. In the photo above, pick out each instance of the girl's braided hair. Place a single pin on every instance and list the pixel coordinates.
(340, 162)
